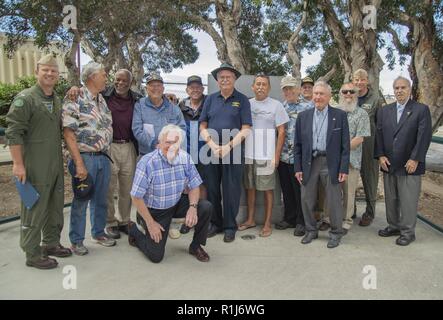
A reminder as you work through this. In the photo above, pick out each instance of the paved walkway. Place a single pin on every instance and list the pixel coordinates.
(278, 267)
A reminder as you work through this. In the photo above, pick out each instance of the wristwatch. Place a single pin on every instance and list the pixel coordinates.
(193, 205)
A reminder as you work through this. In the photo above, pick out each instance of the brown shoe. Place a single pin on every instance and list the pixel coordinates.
(56, 251)
(324, 226)
(42, 263)
(200, 254)
(365, 220)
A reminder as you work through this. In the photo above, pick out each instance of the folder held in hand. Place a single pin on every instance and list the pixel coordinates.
(27, 193)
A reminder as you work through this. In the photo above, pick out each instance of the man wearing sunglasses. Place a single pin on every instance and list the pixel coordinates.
(359, 128)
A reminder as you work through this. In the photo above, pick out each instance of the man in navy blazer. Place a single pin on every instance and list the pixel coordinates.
(404, 132)
(322, 155)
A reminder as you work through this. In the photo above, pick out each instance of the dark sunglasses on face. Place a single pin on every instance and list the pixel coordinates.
(348, 91)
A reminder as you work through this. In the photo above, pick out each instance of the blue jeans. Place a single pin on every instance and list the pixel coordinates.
(99, 168)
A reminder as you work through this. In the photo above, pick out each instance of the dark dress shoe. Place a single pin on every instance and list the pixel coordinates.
(57, 251)
(42, 263)
(131, 239)
(388, 232)
(200, 254)
(299, 230)
(112, 232)
(333, 242)
(184, 229)
(404, 240)
(309, 237)
(229, 237)
(324, 226)
(213, 230)
(123, 229)
(282, 225)
(365, 220)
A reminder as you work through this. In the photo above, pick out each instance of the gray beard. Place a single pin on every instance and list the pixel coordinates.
(346, 106)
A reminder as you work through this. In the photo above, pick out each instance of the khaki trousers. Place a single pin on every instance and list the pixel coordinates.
(122, 174)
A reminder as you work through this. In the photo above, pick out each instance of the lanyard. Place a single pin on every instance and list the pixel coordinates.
(318, 131)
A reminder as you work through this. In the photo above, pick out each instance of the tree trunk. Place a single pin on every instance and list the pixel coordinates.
(427, 69)
(228, 19)
(357, 47)
(71, 61)
(135, 63)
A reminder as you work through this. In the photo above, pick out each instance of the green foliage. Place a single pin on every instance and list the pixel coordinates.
(9, 91)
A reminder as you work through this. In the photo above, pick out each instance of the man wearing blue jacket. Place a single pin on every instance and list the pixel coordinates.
(152, 113)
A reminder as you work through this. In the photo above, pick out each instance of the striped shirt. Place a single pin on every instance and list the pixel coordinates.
(160, 183)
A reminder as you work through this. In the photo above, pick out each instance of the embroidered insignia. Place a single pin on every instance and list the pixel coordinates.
(236, 104)
(18, 103)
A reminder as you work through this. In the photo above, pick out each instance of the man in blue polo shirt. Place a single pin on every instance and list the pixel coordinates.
(152, 113)
(225, 122)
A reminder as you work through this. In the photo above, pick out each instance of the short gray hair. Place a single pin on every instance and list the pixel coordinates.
(404, 79)
(171, 128)
(323, 84)
(128, 73)
(89, 69)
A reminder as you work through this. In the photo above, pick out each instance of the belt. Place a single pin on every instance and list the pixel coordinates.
(99, 153)
(317, 153)
(120, 141)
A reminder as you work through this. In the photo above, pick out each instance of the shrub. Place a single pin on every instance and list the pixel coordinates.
(9, 91)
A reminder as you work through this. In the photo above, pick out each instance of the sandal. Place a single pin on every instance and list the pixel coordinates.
(265, 233)
(245, 226)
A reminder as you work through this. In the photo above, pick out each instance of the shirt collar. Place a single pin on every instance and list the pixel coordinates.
(234, 93)
(402, 105)
(323, 112)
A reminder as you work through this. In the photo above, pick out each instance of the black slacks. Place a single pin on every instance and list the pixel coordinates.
(155, 251)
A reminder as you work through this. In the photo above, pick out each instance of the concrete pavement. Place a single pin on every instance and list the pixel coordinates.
(278, 267)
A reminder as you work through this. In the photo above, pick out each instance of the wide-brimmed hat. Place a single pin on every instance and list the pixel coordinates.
(226, 66)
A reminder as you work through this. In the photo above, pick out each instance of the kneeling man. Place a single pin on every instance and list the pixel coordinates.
(159, 192)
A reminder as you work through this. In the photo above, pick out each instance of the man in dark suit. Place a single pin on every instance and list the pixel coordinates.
(322, 155)
(404, 132)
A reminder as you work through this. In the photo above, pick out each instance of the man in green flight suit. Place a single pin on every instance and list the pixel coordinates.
(34, 139)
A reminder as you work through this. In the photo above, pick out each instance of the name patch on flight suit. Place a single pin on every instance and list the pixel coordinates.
(366, 106)
(236, 104)
(49, 106)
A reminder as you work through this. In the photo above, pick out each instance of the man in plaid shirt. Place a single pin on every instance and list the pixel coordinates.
(166, 186)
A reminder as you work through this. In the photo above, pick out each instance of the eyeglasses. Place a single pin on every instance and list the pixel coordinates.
(348, 91)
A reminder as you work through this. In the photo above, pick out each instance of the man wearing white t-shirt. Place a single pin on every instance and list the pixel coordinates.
(262, 153)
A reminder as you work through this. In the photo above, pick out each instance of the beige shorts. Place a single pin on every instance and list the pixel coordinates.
(259, 175)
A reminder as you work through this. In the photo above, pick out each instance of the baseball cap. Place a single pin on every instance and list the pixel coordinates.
(83, 189)
(307, 80)
(289, 81)
(194, 79)
(154, 76)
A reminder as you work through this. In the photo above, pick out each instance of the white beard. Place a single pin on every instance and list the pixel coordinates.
(172, 155)
(347, 106)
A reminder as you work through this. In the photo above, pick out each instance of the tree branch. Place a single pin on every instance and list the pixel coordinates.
(328, 76)
(402, 49)
(293, 53)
